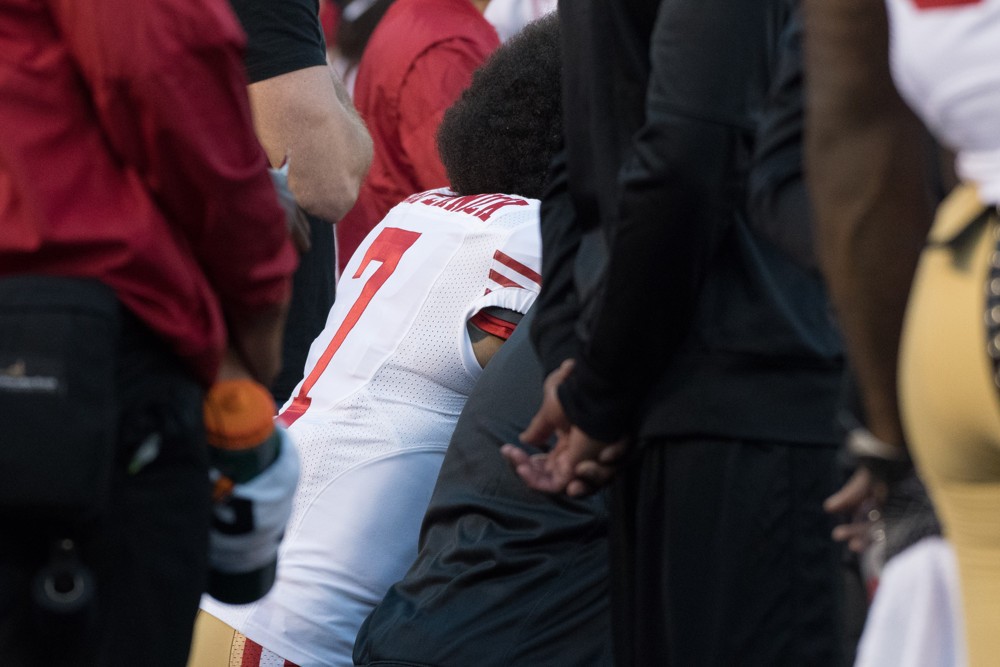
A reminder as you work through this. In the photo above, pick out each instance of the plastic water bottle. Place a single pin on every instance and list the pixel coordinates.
(254, 470)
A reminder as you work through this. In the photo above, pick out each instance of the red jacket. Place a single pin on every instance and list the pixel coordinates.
(127, 154)
(416, 64)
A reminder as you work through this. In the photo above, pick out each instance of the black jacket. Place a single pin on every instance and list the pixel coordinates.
(703, 321)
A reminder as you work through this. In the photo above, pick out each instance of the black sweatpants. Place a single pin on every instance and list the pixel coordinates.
(721, 556)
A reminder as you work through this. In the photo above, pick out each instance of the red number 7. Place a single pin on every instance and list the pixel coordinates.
(937, 4)
(387, 248)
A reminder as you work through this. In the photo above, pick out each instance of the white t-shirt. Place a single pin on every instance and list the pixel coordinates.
(945, 56)
(383, 386)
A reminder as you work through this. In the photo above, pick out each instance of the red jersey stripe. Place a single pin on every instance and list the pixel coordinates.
(937, 4)
(492, 325)
(512, 263)
(251, 654)
(298, 408)
(503, 280)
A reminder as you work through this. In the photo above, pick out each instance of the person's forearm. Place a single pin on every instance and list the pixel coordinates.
(302, 116)
(866, 165)
(675, 210)
(677, 202)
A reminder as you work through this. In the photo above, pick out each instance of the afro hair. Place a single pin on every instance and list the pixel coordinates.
(502, 132)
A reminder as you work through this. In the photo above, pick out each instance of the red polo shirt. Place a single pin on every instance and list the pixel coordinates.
(127, 154)
(419, 60)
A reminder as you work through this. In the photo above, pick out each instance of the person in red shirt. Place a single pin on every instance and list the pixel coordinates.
(140, 236)
(418, 61)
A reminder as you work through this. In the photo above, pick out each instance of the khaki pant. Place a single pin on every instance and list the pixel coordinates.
(216, 644)
(950, 404)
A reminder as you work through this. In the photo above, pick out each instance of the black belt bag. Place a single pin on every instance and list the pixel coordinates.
(58, 407)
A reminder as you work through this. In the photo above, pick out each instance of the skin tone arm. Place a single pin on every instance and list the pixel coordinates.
(866, 164)
(307, 116)
(255, 343)
(485, 345)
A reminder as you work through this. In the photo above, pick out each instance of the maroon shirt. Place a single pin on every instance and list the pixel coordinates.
(419, 60)
(127, 154)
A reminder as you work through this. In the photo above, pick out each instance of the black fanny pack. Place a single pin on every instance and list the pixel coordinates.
(58, 404)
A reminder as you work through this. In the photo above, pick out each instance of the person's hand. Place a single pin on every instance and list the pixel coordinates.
(858, 498)
(577, 464)
(233, 367)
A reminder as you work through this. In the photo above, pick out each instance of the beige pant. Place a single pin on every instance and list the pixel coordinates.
(951, 408)
(216, 644)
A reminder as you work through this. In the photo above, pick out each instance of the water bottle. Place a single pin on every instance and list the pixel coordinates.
(254, 469)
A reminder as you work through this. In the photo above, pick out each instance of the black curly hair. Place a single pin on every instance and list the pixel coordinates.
(502, 132)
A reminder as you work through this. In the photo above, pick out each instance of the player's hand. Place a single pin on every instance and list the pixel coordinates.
(856, 499)
(577, 464)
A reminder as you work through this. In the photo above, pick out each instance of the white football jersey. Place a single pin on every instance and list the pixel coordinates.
(383, 386)
(946, 64)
